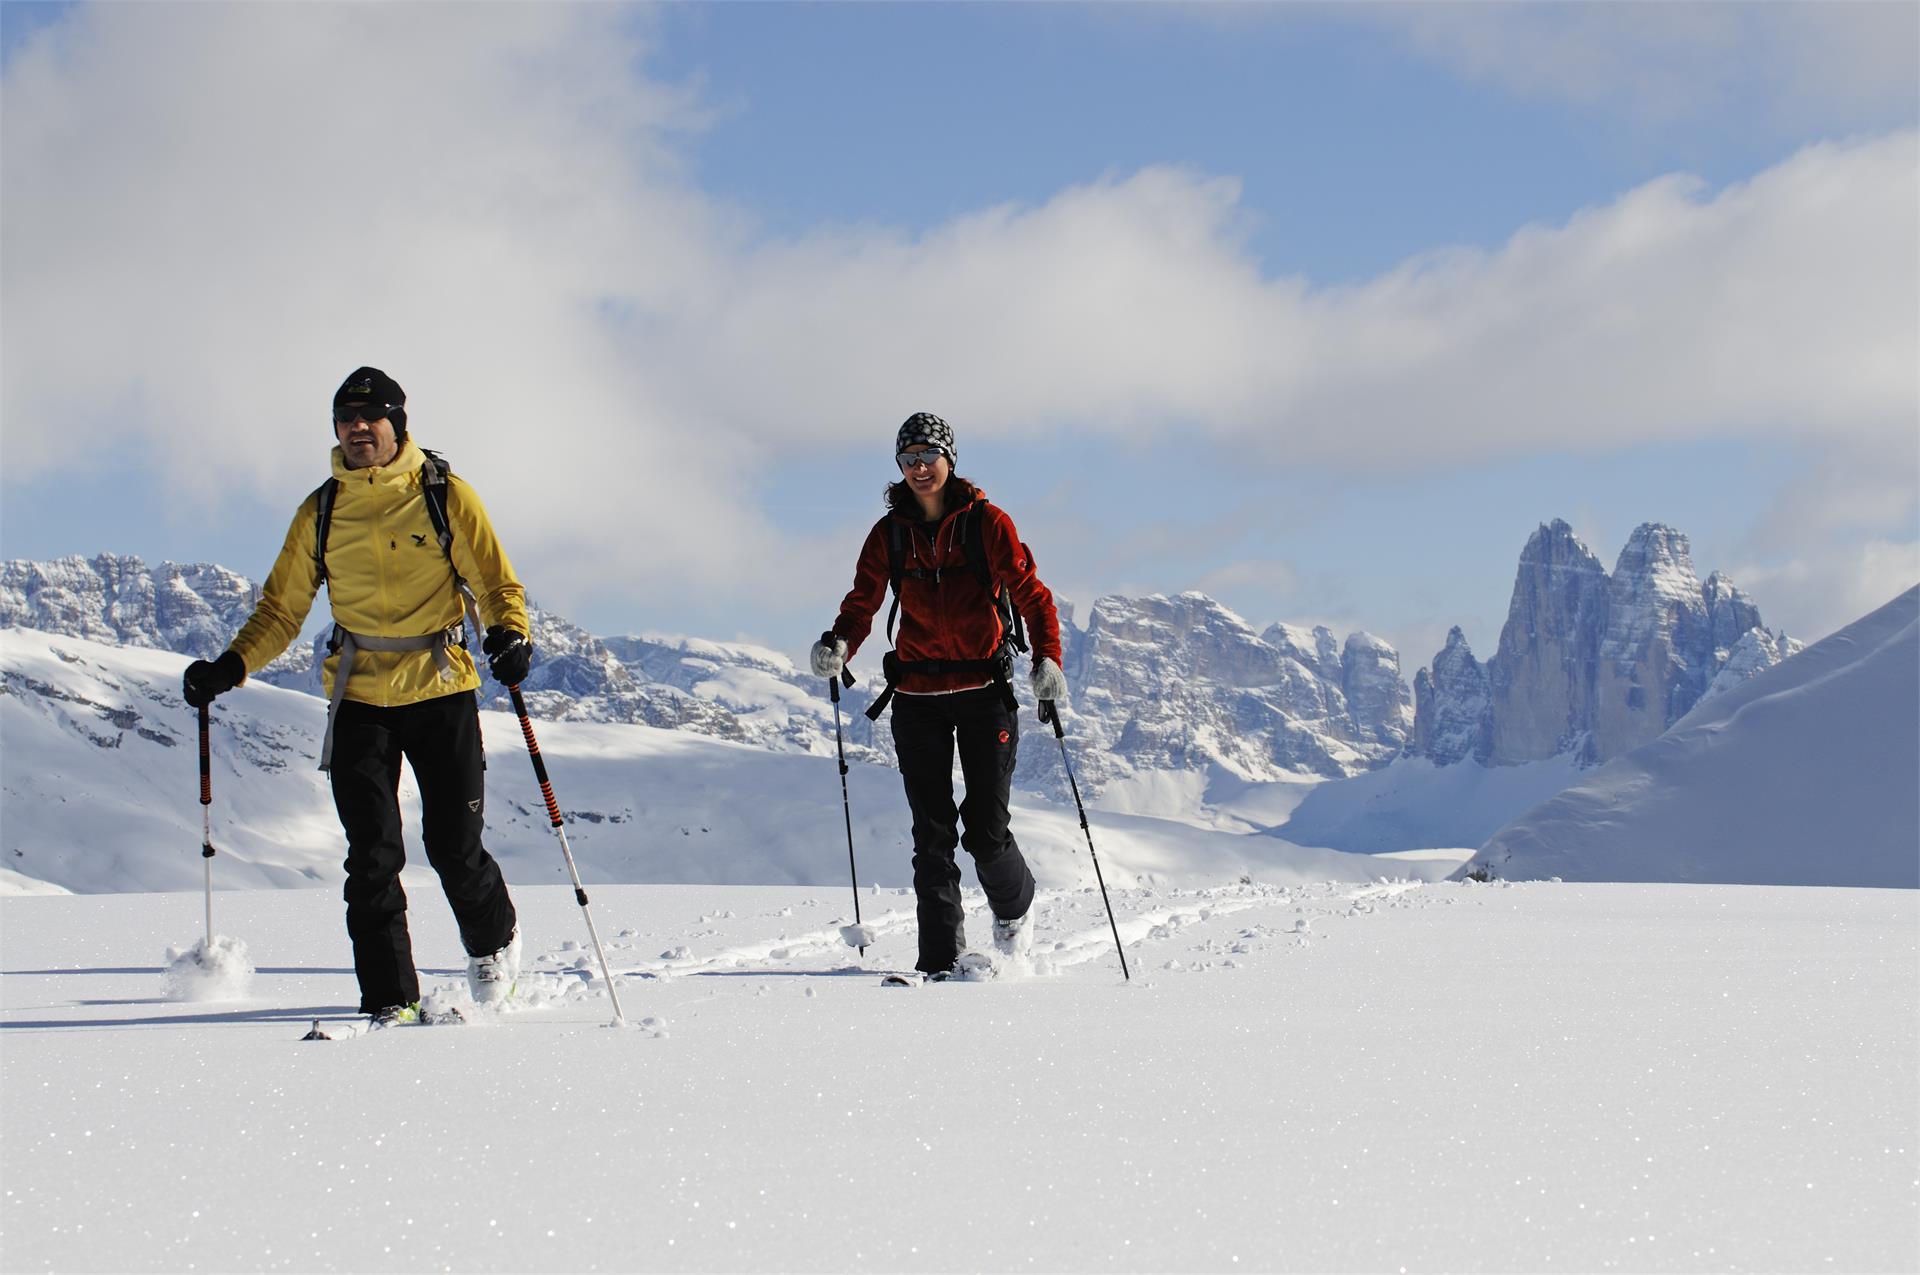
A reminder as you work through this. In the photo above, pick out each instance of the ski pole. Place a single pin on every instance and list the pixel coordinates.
(206, 819)
(1050, 712)
(553, 813)
(839, 744)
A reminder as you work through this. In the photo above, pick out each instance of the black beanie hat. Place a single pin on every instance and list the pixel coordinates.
(925, 427)
(371, 385)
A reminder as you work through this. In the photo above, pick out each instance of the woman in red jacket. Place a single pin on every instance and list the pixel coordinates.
(961, 581)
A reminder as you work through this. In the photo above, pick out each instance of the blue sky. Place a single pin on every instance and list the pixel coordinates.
(1319, 310)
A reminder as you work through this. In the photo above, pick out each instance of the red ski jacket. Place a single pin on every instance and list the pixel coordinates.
(954, 619)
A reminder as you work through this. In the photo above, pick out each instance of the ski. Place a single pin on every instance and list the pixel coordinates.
(451, 1016)
(968, 967)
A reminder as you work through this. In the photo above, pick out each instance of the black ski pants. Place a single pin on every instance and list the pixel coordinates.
(440, 738)
(925, 730)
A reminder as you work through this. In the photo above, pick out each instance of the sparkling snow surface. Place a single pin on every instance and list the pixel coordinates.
(1309, 1077)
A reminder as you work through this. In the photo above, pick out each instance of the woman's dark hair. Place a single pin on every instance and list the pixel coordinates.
(957, 494)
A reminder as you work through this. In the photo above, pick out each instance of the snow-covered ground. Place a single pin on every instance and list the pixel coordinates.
(1388, 1076)
(1324, 1061)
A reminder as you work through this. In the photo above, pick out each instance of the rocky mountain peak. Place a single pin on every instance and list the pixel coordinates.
(1451, 721)
(1314, 648)
(1551, 636)
(1592, 663)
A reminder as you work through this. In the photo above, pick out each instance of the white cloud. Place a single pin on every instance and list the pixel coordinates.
(212, 212)
(1783, 305)
(1830, 586)
(1839, 493)
(1816, 63)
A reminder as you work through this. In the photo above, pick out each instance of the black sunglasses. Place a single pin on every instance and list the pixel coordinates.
(348, 413)
(909, 459)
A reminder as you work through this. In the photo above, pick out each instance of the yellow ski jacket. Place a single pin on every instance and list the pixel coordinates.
(386, 577)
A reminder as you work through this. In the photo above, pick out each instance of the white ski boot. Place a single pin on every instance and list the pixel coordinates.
(491, 978)
(1014, 939)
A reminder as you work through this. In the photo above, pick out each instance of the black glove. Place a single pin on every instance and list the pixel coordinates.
(509, 654)
(206, 679)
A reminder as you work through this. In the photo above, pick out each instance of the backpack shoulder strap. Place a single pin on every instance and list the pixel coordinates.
(323, 497)
(973, 537)
(896, 567)
(896, 553)
(433, 489)
(975, 534)
(433, 486)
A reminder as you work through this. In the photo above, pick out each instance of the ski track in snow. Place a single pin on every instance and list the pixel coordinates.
(1071, 929)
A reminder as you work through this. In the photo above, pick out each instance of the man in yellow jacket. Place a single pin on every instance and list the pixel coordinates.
(400, 682)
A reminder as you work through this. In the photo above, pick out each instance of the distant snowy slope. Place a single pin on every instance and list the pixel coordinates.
(1809, 774)
(101, 793)
(1414, 803)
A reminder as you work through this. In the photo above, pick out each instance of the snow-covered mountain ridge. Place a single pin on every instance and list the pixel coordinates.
(101, 790)
(1160, 687)
(1155, 683)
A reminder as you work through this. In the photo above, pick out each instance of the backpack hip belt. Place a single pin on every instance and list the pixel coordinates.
(998, 668)
(347, 644)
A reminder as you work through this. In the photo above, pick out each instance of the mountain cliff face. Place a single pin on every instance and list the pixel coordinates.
(1451, 717)
(1590, 663)
(1181, 683)
(729, 692)
(1539, 680)
(119, 600)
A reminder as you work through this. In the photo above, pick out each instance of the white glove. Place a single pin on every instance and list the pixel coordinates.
(828, 659)
(1048, 681)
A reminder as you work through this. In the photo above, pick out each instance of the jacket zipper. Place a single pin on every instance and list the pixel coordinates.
(380, 574)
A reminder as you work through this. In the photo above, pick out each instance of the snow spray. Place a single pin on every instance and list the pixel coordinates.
(216, 968)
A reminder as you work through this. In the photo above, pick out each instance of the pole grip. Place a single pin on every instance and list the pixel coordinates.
(206, 762)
